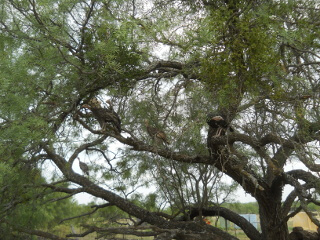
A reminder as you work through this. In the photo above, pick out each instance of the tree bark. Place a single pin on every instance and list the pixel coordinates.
(271, 220)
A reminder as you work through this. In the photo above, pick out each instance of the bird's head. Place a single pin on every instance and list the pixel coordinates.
(214, 117)
(146, 122)
(95, 103)
(217, 118)
(109, 102)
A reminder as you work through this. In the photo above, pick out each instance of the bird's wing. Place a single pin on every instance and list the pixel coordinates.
(161, 135)
(152, 131)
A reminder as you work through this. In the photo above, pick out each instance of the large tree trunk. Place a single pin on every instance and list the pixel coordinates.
(272, 226)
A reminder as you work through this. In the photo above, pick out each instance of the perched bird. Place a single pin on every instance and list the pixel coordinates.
(155, 133)
(103, 115)
(84, 167)
(218, 124)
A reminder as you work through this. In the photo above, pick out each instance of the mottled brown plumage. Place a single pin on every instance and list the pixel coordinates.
(156, 134)
(218, 126)
(84, 167)
(104, 116)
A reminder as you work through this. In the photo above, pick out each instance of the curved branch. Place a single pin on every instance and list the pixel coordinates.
(90, 230)
(169, 69)
(85, 146)
(304, 206)
(308, 177)
(291, 215)
(306, 160)
(287, 204)
(105, 157)
(233, 169)
(243, 223)
(129, 207)
(96, 207)
(63, 189)
(142, 147)
(136, 231)
(311, 182)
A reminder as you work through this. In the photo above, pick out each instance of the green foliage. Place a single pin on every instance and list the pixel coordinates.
(313, 207)
(254, 59)
(246, 55)
(18, 201)
(248, 60)
(26, 206)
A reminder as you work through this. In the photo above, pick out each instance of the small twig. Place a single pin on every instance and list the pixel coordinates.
(88, 213)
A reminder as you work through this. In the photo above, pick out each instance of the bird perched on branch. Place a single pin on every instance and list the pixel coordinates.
(218, 126)
(156, 134)
(84, 167)
(105, 116)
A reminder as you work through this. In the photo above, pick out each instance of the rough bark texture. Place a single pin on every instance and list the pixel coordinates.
(299, 234)
(272, 226)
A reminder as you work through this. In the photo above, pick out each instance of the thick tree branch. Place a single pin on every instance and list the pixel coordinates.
(287, 204)
(311, 182)
(307, 177)
(244, 224)
(125, 205)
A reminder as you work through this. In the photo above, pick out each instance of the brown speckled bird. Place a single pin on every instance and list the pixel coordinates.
(155, 133)
(103, 115)
(218, 126)
(84, 167)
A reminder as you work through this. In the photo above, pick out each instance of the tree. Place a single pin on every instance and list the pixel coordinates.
(255, 62)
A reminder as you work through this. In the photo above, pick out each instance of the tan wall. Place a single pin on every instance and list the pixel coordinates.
(302, 220)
